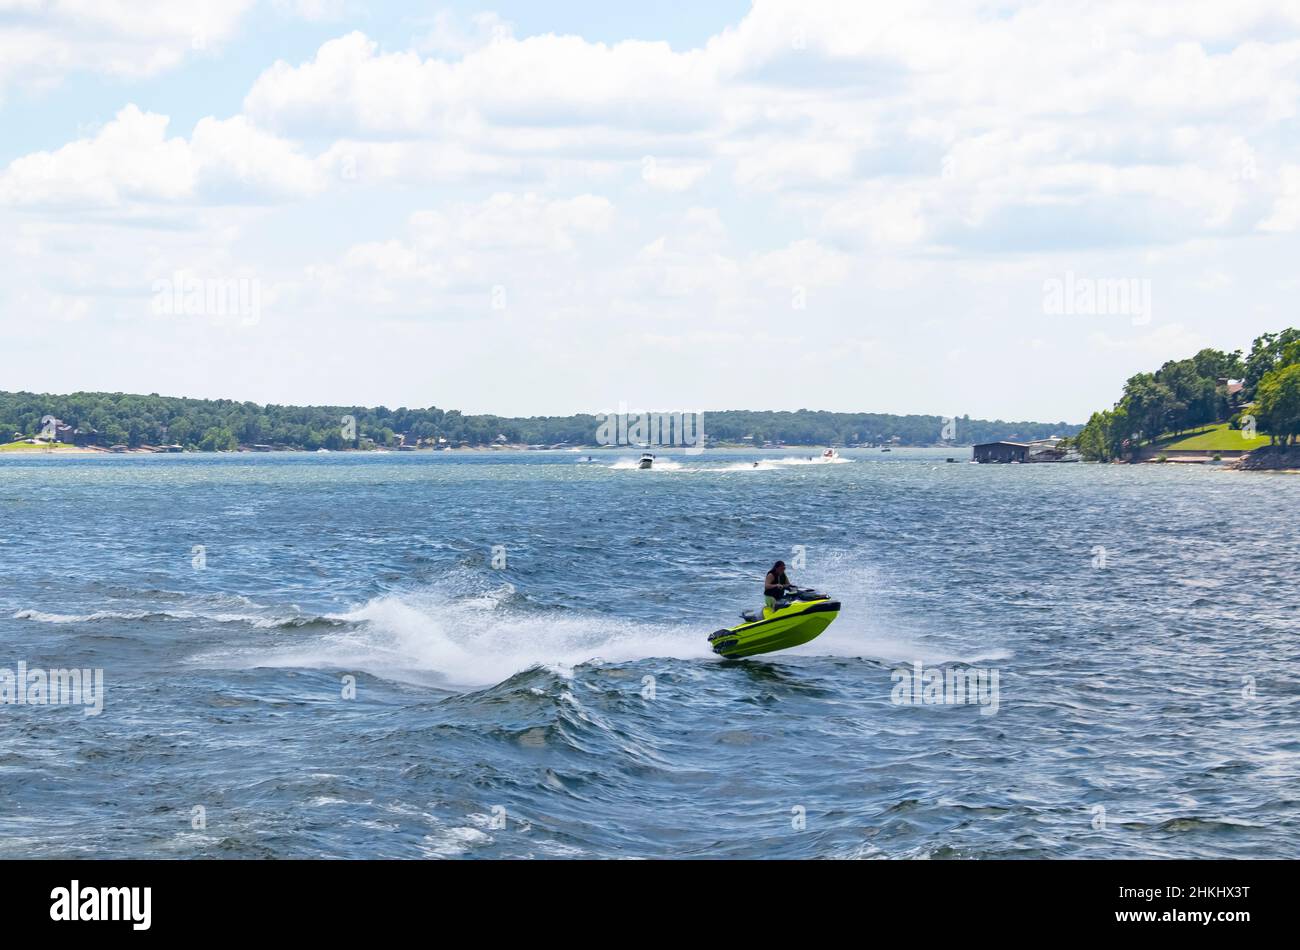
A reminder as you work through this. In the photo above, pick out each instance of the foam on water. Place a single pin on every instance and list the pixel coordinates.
(223, 609)
(863, 629)
(815, 460)
(467, 631)
(462, 632)
(760, 466)
(699, 464)
(426, 635)
(661, 464)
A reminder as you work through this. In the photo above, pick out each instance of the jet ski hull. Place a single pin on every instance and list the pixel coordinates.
(780, 629)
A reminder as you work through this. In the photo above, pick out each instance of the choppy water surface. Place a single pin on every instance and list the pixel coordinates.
(1154, 679)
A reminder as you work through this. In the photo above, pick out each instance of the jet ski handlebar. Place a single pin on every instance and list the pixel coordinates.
(802, 593)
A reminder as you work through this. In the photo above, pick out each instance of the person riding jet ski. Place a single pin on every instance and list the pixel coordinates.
(775, 584)
(791, 616)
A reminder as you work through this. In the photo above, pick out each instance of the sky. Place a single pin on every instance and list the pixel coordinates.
(1000, 210)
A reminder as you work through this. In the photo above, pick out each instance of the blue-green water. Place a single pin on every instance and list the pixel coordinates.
(566, 704)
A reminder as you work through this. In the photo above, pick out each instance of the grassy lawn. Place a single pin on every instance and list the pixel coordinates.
(1217, 438)
(28, 447)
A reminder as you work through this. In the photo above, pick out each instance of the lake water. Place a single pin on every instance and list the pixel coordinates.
(1141, 621)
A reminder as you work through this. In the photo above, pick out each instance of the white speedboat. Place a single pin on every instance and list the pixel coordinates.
(647, 460)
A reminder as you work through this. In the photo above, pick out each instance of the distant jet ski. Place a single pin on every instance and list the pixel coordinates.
(798, 617)
(830, 455)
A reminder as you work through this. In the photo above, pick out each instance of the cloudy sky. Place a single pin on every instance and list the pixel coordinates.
(536, 208)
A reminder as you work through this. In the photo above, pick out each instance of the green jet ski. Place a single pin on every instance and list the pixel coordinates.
(798, 617)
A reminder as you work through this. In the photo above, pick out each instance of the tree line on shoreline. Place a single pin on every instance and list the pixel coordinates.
(108, 419)
(1260, 390)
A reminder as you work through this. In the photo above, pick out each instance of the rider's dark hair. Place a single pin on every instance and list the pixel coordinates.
(778, 568)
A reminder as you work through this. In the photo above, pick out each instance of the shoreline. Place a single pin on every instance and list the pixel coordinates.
(577, 450)
(1288, 467)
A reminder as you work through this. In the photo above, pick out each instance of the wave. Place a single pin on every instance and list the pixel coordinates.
(760, 466)
(258, 620)
(772, 465)
(660, 465)
(866, 629)
(469, 631)
(41, 616)
(458, 638)
(815, 460)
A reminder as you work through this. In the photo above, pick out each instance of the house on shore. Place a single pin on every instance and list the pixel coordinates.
(73, 435)
(1038, 450)
(1001, 452)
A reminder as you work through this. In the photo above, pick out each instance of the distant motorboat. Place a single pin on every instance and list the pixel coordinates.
(647, 460)
(830, 455)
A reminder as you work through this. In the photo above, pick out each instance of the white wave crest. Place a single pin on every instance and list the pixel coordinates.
(429, 636)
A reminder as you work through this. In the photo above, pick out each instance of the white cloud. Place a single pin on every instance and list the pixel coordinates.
(937, 123)
(315, 11)
(802, 264)
(1285, 215)
(131, 160)
(1165, 342)
(453, 36)
(451, 259)
(542, 81)
(43, 40)
(509, 221)
(672, 175)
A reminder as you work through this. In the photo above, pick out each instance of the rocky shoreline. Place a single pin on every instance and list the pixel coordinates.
(1271, 458)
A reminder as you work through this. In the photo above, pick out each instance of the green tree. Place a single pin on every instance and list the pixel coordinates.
(1093, 442)
(1267, 354)
(1151, 406)
(1277, 404)
(180, 431)
(218, 439)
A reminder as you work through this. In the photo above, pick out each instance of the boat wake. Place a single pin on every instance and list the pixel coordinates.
(865, 629)
(817, 460)
(219, 609)
(660, 465)
(469, 631)
(434, 637)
